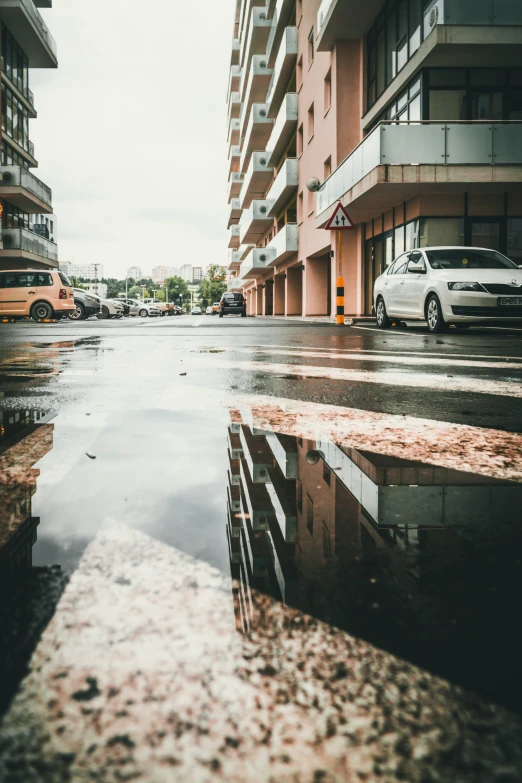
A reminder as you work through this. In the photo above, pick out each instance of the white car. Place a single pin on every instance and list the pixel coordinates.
(108, 308)
(143, 309)
(196, 311)
(209, 310)
(449, 285)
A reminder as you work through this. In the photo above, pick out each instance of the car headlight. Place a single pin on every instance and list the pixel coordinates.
(465, 287)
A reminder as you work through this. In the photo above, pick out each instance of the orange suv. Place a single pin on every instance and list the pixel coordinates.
(38, 293)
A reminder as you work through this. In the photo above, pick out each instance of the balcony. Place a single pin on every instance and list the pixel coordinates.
(256, 263)
(254, 88)
(284, 244)
(344, 19)
(472, 12)
(234, 158)
(284, 128)
(28, 27)
(21, 188)
(283, 69)
(284, 186)
(235, 51)
(244, 250)
(256, 36)
(233, 80)
(255, 222)
(233, 237)
(279, 11)
(400, 160)
(234, 212)
(256, 180)
(235, 284)
(233, 260)
(234, 185)
(233, 132)
(234, 106)
(256, 134)
(245, 13)
(23, 245)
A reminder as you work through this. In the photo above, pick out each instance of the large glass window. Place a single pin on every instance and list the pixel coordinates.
(14, 62)
(441, 231)
(514, 239)
(15, 120)
(10, 157)
(457, 94)
(13, 217)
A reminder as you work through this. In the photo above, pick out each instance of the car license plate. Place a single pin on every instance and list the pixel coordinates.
(510, 301)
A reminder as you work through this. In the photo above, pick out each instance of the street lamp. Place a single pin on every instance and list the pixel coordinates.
(143, 287)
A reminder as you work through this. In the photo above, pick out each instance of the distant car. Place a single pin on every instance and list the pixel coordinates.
(209, 310)
(232, 303)
(144, 310)
(449, 285)
(196, 311)
(85, 305)
(167, 308)
(124, 304)
(215, 308)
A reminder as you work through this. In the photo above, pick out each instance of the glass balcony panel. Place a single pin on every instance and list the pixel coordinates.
(507, 140)
(18, 176)
(22, 239)
(469, 143)
(413, 144)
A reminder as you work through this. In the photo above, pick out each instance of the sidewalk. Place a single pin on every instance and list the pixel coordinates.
(141, 675)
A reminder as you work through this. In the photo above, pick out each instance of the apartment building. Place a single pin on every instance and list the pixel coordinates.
(135, 273)
(408, 112)
(26, 211)
(85, 271)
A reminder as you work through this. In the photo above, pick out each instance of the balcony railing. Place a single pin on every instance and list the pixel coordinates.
(471, 12)
(27, 241)
(18, 176)
(429, 143)
(39, 23)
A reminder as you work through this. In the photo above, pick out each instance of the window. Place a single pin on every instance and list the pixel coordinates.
(299, 73)
(514, 239)
(299, 495)
(327, 169)
(327, 91)
(474, 94)
(14, 62)
(416, 259)
(310, 515)
(399, 267)
(434, 232)
(327, 473)
(311, 122)
(449, 258)
(327, 542)
(311, 48)
(300, 142)
(300, 202)
(15, 120)
(310, 203)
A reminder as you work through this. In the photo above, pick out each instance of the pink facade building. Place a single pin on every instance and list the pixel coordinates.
(408, 112)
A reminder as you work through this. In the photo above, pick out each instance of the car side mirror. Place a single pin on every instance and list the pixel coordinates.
(417, 269)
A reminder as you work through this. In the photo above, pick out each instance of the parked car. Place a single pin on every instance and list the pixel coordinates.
(209, 310)
(196, 311)
(449, 285)
(124, 304)
(111, 308)
(35, 293)
(215, 308)
(166, 308)
(232, 303)
(144, 310)
(85, 305)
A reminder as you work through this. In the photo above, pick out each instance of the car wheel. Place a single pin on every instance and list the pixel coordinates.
(144, 313)
(78, 313)
(383, 322)
(41, 311)
(434, 317)
(105, 312)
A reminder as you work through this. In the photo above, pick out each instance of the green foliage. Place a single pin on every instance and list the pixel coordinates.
(213, 286)
(177, 287)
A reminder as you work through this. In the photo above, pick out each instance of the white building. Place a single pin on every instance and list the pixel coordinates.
(197, 273)
(135, 272)
(186, 272)
(96, 288)
(86, 271)
(161, 272)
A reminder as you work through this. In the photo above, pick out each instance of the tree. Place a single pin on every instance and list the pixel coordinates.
(176, 287)
(213, 285)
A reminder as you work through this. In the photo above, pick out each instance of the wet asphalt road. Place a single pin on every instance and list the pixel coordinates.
(127, 422)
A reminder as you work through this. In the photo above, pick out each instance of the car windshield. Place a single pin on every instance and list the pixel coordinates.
(468, 258)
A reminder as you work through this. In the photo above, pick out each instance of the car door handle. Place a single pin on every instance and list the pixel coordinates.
(31, 292)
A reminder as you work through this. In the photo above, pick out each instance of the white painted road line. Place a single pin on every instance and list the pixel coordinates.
(460, 383)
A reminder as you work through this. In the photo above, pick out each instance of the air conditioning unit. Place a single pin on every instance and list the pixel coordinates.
(7, 176)
(7, 240)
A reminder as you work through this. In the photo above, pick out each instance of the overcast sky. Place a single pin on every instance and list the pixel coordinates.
(131, 130)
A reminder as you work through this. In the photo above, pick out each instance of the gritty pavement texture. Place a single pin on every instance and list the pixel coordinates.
(142, 676)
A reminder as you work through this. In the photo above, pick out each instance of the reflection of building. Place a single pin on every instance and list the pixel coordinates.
(418, 560)
(25, 438)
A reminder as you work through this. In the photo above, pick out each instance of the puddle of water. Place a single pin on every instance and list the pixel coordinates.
(419, 560)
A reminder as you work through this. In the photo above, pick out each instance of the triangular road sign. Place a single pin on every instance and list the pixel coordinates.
(340, 220)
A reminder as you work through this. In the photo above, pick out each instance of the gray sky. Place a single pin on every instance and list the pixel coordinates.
(131, 130)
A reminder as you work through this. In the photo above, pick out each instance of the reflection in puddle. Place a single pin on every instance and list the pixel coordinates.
(28, 595)
(419, 560)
